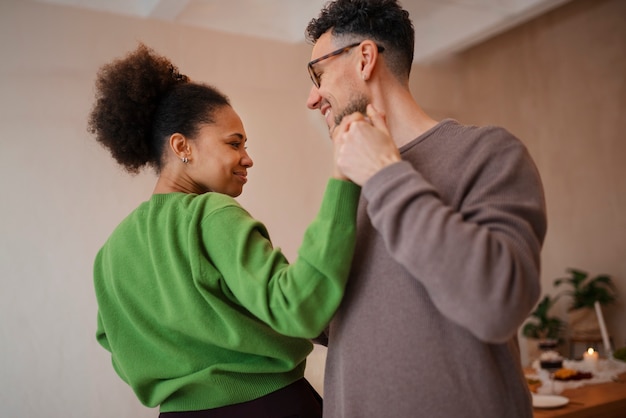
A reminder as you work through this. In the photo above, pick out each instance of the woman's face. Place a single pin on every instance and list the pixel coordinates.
(220, 160)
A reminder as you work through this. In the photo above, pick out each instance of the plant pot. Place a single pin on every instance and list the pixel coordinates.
(532, 350)
(583, 324)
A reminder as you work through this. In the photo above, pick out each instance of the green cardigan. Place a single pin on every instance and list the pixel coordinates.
(200, 311)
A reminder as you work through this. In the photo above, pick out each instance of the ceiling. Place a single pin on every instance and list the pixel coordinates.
(442, 27)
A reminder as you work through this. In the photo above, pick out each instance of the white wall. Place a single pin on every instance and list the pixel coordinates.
(62, 194)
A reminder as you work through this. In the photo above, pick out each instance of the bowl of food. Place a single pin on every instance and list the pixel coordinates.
(550, 361)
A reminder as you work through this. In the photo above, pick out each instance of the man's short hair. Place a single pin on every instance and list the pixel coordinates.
(383, 21)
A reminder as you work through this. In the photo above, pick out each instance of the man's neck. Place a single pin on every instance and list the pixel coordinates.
(405, 118)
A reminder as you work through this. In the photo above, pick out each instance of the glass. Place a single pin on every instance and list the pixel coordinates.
(315, 78)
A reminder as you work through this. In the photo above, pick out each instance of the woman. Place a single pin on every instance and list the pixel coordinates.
(202, 316)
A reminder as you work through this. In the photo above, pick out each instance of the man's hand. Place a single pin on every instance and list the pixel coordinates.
(363, 146)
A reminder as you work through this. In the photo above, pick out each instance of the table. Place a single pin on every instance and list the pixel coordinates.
(606, 400)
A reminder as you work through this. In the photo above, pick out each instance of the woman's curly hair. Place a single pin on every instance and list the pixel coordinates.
(383, 21)
(141, 100)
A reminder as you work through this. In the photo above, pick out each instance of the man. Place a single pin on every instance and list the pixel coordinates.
(450, 227)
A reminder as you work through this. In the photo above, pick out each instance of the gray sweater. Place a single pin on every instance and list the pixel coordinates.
(446, 269)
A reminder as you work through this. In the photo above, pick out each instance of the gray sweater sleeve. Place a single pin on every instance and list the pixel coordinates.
(471, 233)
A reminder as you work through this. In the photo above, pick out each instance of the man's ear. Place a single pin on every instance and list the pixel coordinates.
(180, 146)
(369, 57)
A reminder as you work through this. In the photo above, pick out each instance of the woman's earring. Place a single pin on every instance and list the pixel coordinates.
(185, 160)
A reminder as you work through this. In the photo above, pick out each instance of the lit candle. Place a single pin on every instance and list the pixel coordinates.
(590, 359)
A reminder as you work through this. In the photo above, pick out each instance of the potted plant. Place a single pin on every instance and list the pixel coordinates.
(585, 291)
(541, 326)
(543, 332)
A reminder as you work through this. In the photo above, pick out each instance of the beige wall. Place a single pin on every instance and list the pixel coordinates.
(63, 194)
(557, 83)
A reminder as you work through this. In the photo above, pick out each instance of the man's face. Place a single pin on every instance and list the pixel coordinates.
(338, 94)
(357, 103)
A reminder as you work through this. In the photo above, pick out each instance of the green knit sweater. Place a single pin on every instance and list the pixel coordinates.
(200, 311)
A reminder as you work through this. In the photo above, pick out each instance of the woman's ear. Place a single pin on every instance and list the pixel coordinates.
(180, 147)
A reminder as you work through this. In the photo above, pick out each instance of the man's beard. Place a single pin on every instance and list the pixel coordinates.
(357, 104)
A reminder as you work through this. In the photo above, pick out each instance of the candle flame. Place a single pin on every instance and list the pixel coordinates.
(590, 350)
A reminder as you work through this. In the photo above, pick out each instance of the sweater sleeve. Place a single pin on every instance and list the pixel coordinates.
(478, 259)
(297, 300)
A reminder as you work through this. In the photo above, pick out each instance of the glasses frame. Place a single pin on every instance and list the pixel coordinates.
(316, 78)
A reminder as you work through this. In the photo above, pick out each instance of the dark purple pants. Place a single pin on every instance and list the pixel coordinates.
(298, 400)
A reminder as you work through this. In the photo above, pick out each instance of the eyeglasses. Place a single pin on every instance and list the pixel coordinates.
(316, 78)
